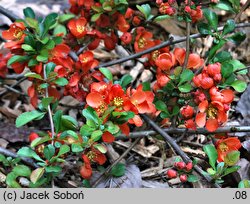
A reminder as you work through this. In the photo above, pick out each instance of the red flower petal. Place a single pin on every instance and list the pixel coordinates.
(200, 119)
(108, 137)
(94, 99)
(212, 125)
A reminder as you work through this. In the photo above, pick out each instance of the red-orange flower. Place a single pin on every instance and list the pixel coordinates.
(143, 40)
(78, 27)
(165, 61)
(211, 115)
(87, 61)
(224, 146)
(3, 64)
(194, 60)
(15, 34)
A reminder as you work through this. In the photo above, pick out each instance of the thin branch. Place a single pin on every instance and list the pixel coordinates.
(12, 86)
(243, 8)
(14, 76)
(113, 164)
(52, 127)
(187, 43)
(8, 14)
(140, 134)
(176, 147)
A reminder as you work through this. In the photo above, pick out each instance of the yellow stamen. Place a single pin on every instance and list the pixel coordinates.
(118, 101)
(223, 147)
(142, 42)
(80, 29)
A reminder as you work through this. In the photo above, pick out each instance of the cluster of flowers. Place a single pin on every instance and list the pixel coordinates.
(181, 169)
(213, 103)
(169, 8)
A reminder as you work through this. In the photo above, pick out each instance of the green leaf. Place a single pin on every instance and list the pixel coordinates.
(226, 69)
(237, 38)
(186, 76)
(220, 168)
(95, 17)
(37, 174)
(69, 133)
(126, 80)
(224, 6)
(65, 17)
(231, 170)
(49, 151)
(33, 75)
(239, 86)
(63, 150)
(160, 105)
(101, 148)
(11, 180)
(61, 81)
(90, 114)
(22, 170)
(118, 170)
(53, 169)
(60, 29)
(41, 58)
(76, 147)
(222, 57)
(211, 153)
(215, 48)
(112, 128)
(32, 63)
(232, 158)
(47, 101)
(17, 58)
(33, 23)
(26, 117)
(40, 140)
(27, 47)
(145, 9)
(204, 29)
(106, 73)
(244, 184)
(211, 17)
(228, 27)
(57, 118)
(69, 123)
(96, 135)
(185, 88)
(28, 12)
(161, 18)
(27, 152)
(192, 178)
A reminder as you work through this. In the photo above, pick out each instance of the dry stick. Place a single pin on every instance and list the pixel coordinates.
(242, 10)
(177, 148)
(14, 90)
(116, 162)
(13, 85)
(26, 160)
(203, 131)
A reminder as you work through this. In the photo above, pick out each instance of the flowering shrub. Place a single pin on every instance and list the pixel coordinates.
(188, 90)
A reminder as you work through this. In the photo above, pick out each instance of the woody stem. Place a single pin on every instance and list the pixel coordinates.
(52, 127)
(187, 42)
(177, 148)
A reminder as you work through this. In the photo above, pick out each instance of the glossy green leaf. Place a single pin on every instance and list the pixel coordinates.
(212, 154)
(26, 117)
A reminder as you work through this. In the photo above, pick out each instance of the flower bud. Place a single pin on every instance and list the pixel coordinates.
(214, 69)
(171, 173)
(183, 178)
(126, 38)
(33, 136)
(189, 166)
(187, 112)
(180, 165)
(207, 82)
